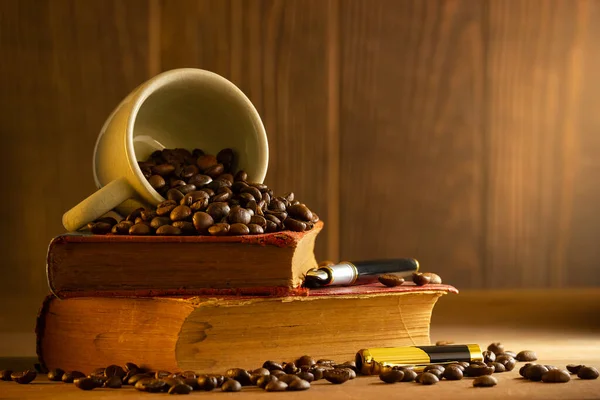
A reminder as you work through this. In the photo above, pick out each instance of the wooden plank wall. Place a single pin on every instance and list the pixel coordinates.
(464, 133)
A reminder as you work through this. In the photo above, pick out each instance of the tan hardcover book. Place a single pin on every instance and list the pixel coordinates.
(84, 265)
(207, 334)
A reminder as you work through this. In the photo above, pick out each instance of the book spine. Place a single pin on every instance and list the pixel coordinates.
(40, 326)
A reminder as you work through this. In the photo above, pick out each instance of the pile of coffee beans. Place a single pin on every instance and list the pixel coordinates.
(418, 278)
(273, 376)
(203, 197)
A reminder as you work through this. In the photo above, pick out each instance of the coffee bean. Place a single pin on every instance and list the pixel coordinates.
(488, 356)
(85, 383)
(161, 374)
(535, 372)
(305, 360)
(419, 279)
(299, 384)
(100, 228)
(202, 221)
(290, 368)
(272, 365)
(498, 367)
(185, 189)
(289, 196)
(186, 227)
(181, 388)
(240, 176)
(438, 367)
(206, 161)
(254, 229)
(526, 355)
(336, 376)
(409, 374)
(225, 156)
(586, 372)
(150, 385)
(206, 382)
(175, 195)
(114, 370)
(391, 280)
(168, 230)
(157, 182)
(392, 376)
(276, 386)
(163, 169)
(574, 368)
(524, 368)
(288, 378)
(24, 377)
(264, 380)
(475, 370)
(239, 374)
(496, 348)
(510, 353)
(317, 372)
(428, 378)
(5, 375)
(453, 373)
(307, 376)
(69, 377)
(555, 376)
(258, 220)
(220, 229)
(200, 180)
(456, 365)
(172, 380)
(238, 214)
(114, 382)
(256, 194)
(231, 385)
(215, 171)
(157, 222)
(140, 229)
(300, 212)
(278, 373)
(180, 213)
(438, 373)
(131, 380)
(218, 210)
(55, 375)
(485, 381)
(506, 360)
(165, 208)
(294, 225)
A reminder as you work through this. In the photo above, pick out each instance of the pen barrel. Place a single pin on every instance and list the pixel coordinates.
(372, 361)
(368, 271)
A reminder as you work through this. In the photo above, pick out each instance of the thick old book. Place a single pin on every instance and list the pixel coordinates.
(84, 265)
(207, 334)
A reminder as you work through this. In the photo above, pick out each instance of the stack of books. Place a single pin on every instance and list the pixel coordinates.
(208, 304)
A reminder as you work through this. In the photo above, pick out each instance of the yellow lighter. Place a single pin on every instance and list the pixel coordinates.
(373, 361)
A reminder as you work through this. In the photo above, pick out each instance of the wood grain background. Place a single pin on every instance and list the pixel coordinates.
(464, 133)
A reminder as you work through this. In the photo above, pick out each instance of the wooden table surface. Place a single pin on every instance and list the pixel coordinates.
(562, 326)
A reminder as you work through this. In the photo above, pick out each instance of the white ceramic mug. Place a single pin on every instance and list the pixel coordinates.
(181, 108)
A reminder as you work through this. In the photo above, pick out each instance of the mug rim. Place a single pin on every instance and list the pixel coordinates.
(164, 78)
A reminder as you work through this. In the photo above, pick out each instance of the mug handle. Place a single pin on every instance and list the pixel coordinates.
(98, 204)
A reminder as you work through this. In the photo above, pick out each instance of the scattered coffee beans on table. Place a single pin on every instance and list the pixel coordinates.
(485, 381)
(203, 197)
(587, 372)
(297, 375)
(526, 355)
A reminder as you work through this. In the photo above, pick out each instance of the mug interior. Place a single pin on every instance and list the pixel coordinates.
(190, 108)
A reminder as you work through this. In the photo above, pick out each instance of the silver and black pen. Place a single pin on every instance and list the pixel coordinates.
(358, 272)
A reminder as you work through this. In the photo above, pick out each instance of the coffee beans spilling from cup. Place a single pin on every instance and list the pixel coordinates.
(205, 198)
